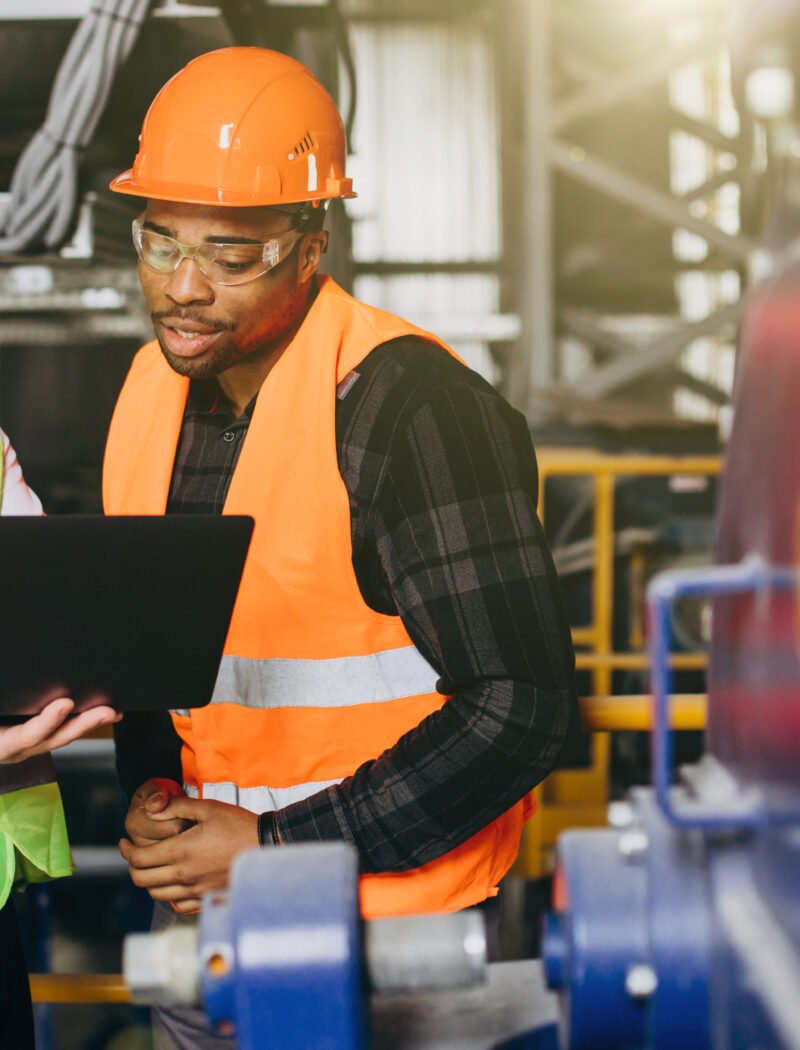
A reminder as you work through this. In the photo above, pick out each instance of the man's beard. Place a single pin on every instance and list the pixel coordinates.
(223, 358)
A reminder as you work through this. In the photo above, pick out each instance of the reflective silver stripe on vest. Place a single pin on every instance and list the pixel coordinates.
(341, 682)
(258, 799)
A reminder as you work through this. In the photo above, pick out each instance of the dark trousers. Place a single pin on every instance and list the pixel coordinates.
(16, 1014)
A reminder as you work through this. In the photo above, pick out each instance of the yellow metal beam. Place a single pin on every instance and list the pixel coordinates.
(583, 635)
(579, 461)
(79, 988)
(638, 661)
(618, 713)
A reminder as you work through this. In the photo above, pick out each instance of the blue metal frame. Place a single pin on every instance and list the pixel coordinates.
(751, 575)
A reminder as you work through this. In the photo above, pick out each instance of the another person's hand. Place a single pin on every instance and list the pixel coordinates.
(180, 869)
(50, 729)
(150, 799)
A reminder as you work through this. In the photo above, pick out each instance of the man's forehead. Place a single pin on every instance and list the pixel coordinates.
(201, 221)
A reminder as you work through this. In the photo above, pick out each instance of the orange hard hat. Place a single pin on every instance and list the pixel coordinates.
(241, 126)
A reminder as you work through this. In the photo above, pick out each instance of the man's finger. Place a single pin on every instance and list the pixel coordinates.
(141, 840)
(183, 808)
(176, 895)
(140, 825)
(158, 878)
(143, 831)
(156, 785)
(191, 906)
(161, 791)
(156, 856)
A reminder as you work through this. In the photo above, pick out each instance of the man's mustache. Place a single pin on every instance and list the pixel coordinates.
(184, 315)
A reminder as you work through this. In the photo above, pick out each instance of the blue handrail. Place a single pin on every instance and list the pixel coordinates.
(753, 574)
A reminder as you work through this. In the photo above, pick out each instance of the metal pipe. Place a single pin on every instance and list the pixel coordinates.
(587, 462)
(412, 953)
(79, 988)
(535, 368)
(638, 661)
(635, 713)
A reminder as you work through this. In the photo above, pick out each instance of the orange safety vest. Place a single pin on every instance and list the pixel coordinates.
(313, 682)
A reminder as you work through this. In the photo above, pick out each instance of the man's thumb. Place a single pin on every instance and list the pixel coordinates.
(155, 802)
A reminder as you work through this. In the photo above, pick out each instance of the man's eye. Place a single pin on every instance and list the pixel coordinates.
(233, 267)
(159, 248)
(235, 260)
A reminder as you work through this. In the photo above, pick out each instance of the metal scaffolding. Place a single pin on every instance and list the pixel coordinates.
(518, 160)
(576, 89)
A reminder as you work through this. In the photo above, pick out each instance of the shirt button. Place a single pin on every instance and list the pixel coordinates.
(229, 436)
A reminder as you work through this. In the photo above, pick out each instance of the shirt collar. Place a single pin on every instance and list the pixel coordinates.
(206, 398)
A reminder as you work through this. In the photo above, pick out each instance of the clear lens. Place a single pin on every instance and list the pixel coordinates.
(221, 263)
(159, 253)
(231, 263)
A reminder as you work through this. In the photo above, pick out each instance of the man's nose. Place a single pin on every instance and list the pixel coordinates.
(187, 284)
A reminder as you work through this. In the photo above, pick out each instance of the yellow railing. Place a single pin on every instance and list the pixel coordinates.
(579, 797)
(637, 661)
(615, 714)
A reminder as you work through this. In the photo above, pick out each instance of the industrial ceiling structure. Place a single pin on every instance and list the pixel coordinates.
(555, 188)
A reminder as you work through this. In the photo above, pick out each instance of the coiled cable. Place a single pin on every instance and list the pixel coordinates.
(44, 186)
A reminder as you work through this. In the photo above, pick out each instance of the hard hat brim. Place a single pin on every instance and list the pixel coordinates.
(127, 183)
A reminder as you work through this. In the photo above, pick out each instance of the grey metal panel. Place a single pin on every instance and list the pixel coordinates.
(513, 1003)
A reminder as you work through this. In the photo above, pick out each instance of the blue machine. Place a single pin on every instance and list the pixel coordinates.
(680, 926)
(284, 961)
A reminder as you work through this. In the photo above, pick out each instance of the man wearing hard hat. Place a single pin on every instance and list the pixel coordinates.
(398, 672)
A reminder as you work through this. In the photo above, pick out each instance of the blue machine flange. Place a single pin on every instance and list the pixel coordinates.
(282, 963)
(667, 936)
(631, 953)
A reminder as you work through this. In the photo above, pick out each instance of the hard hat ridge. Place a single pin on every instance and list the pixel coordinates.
(241, 126)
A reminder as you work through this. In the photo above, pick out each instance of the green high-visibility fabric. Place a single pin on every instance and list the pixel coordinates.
(33, 837)
(33, 834)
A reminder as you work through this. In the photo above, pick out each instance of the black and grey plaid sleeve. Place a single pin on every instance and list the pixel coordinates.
(442, 482)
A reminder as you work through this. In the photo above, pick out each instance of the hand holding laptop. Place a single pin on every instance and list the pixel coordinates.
(50, 729)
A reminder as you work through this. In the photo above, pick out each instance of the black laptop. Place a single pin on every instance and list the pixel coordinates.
(131, 611)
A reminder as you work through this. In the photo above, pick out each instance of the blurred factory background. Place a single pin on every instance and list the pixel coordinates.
(571, 192)
(563, 191)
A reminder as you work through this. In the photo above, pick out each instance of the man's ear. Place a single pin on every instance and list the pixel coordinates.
(312, 247)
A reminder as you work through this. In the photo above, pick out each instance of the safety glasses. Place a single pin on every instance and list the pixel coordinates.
(221, 263)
